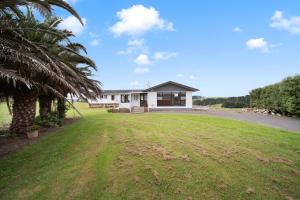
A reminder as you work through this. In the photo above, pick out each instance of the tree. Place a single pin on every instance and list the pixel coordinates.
(282, 97)
(43, 6)
(39, 62)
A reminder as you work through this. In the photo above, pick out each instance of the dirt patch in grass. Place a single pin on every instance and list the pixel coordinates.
(163, 152)
(296, 172)
(122, 162)
(157, 176)
(250, 190)
(283, 161)
(10, 144)
(262, 159)
(290, 198)
(185, 157)
(277, 159)
(136, 179)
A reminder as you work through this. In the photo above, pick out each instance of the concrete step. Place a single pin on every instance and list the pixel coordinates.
(138, 109)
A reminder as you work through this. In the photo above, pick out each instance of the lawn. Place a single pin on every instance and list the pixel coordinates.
(4, 114)
(155, 156)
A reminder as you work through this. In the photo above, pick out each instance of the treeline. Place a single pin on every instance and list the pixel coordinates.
(282, 97)
(227, 102)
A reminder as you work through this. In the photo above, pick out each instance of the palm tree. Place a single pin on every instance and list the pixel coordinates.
(43, 6)
(68, 56)
(39, 63)
(13, 43)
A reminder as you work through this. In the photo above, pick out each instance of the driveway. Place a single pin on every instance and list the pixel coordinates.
(286, 123)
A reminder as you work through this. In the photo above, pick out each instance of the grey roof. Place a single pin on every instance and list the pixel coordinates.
(120, 91)
(187, 88)
(172, 83)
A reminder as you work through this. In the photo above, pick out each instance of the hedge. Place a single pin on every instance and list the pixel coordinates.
(282, 97)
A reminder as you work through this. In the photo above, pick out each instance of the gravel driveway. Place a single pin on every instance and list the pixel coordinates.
(286, 123)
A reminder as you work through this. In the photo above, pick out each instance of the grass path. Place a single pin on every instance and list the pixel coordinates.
(155, 156)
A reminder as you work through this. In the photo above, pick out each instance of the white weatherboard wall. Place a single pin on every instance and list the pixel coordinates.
(152, 99)
(106, 100)
(137, 101)
(189, 99)
(125, 105)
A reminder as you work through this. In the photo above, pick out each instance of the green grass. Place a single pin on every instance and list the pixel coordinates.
(155, 156)
(4, 114)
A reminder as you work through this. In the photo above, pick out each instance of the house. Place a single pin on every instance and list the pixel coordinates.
(168, 95)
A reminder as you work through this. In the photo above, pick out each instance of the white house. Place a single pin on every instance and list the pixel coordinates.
(168, 95)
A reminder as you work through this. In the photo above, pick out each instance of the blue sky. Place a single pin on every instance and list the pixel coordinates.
(223, 48)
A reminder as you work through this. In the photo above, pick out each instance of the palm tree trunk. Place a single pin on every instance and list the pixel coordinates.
(24, 108)
(61, 109)
(45, 103)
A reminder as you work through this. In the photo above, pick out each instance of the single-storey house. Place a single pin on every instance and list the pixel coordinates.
(168, 95)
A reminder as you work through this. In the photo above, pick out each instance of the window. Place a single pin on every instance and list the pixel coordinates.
(182, 98)
(103, 96)
(112, 97)
(171, 99)
(136, 97)
(124, 98)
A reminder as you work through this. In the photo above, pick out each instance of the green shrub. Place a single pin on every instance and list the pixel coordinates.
(33, 128)
(282, 97)
(50, 120)
(234, 105)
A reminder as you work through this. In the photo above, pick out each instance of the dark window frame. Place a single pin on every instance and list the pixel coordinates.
(172, 99)
(125, 98)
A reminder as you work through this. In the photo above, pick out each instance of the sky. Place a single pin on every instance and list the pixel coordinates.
(223, 48)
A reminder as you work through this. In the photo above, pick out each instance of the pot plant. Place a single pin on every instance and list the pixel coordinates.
(33, 131)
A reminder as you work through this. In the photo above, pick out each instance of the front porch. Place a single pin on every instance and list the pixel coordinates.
(139, 102)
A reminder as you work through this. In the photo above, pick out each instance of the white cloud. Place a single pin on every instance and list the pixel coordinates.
(237, 29)
(141, 70)
(138, 19)
(71, 23)
(142, 59)
(135, 83)
(276, 45)
(127, 51)
(179, 75)
(165, 55)
(135, 46)
(136, 42)
(291, 24)
(259, 44)
(95, 42)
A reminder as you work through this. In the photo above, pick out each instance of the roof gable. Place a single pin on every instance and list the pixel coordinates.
(171, 86)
